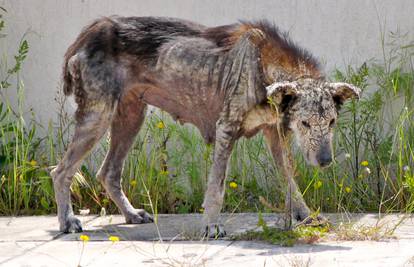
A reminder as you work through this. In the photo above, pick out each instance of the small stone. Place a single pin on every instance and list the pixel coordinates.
(84, 212)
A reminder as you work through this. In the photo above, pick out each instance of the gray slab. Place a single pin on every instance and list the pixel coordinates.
(35, 241)
(32, 228)
(209, 253)
(137, 253)
(172, 226)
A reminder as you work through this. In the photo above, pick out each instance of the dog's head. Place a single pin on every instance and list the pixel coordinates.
(309, 108)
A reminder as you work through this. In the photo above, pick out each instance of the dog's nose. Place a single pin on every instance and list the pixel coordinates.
(325, 159)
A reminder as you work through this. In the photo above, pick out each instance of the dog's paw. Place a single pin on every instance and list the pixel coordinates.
(71, 225)
(214, 231)
(139, 216)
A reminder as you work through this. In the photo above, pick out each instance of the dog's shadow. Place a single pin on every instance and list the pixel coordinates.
(184, 229)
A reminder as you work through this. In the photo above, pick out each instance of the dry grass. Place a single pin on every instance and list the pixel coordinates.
(410, 262)
(295, 261)
(360, 232)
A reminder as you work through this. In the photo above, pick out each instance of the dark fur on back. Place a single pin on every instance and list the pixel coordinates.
(224, 36)
(277, 48)
(281, 41)
(138, 36)
(141, 37)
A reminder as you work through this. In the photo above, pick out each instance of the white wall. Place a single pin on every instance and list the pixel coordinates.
(339, 32)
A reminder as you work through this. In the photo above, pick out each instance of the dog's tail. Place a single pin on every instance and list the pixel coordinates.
(92, 38)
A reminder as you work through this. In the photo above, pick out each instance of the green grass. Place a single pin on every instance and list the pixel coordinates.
(169, 163)
(301, 234)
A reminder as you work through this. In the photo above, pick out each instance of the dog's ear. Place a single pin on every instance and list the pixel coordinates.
(342, 91)
(282, 93)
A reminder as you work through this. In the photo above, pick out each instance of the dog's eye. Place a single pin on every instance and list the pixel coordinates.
(332, 123)
(305, 124)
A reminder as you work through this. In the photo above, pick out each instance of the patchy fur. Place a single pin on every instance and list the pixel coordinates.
(228, 81)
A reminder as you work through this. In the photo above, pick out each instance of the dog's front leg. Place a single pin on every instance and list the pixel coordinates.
(294, 202)
(213, 198)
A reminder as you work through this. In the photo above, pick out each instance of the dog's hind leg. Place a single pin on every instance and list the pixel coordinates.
(127, 121)
(91, 125)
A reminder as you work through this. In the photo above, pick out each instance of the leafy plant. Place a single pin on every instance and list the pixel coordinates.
(276, 236)
(25, 182)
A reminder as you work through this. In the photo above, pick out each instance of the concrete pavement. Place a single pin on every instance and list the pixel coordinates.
(35, 241)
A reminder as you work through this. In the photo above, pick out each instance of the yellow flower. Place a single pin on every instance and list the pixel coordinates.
(160, 125)
(133, 183)
(317, 185)
(233, 185)
(164, 172)
(113, 238)
(84, 238)
(201, 210)
(364, 163)
(348, 189)
(33, 163)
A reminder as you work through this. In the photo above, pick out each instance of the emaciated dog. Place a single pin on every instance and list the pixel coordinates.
(229, 81)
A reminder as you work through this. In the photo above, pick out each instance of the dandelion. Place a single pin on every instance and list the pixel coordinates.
(33, 163)
(201, 210)
(164, 172)
(113, 238)
(133, 183)
(347, 155)
(84, 238)
(233, 185)
(317, 185)
(348, 189)
(364, 163)
(160, 125)
(3, 178)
